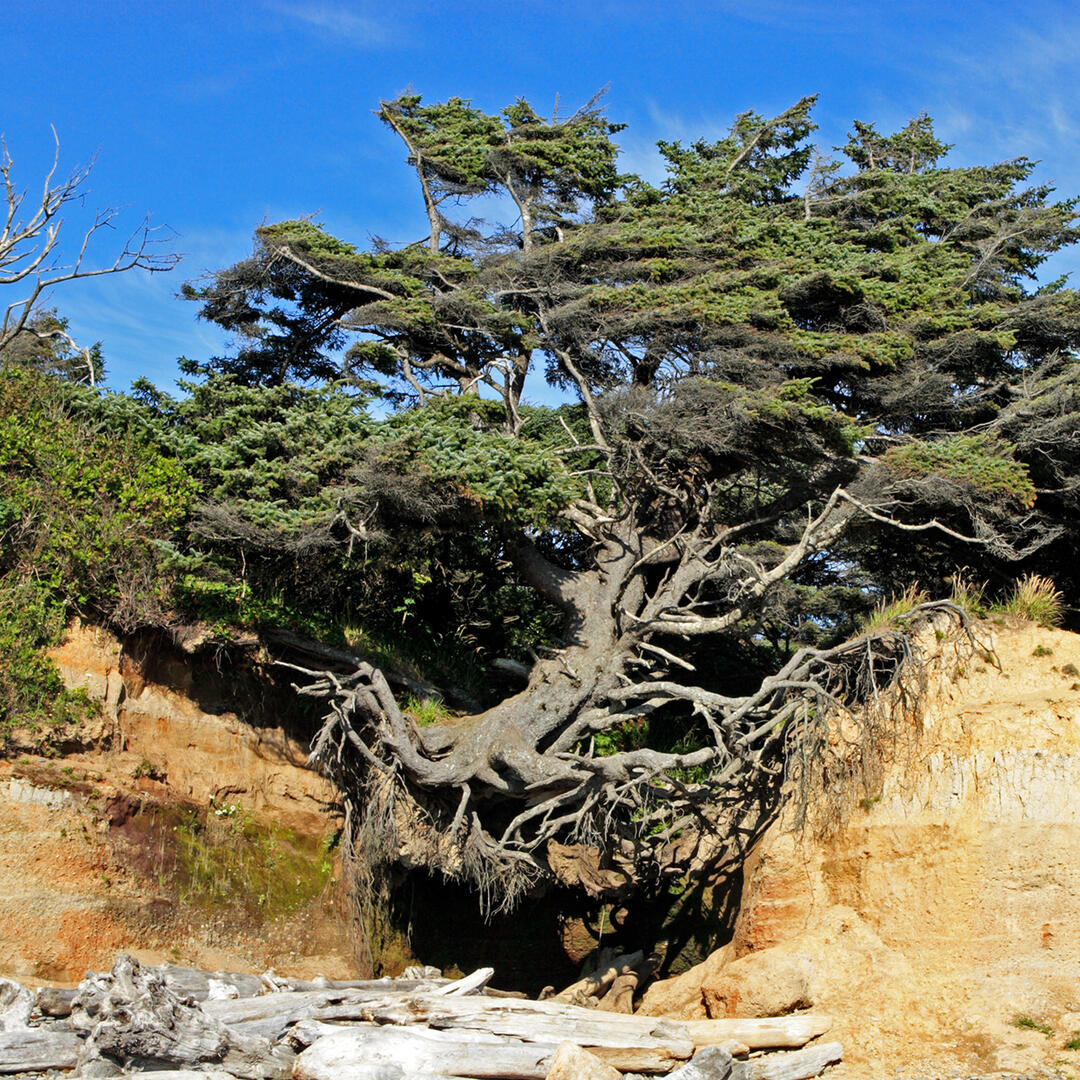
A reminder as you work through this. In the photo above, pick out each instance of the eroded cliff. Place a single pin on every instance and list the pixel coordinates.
(940, 923)
(170, 828)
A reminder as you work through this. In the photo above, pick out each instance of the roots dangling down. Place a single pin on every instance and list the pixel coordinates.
(475, 802)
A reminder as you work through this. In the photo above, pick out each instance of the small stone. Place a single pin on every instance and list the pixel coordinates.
(712, 1063)
(16, 1004)
(571, 1062)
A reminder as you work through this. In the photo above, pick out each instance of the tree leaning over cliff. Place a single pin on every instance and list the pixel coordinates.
(789, 374)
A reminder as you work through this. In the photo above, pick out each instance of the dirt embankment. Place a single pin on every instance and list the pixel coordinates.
(940, 925)
(176, 834)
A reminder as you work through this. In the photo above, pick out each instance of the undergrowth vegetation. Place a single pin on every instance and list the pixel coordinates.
(82, 511)
(1034, 597)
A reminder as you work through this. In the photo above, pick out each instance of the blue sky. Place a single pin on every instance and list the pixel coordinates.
(215, 116)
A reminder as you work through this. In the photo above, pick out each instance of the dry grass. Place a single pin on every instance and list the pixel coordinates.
(1036, 599)
(886, 612)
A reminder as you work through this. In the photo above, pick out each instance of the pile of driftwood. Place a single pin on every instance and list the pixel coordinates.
(187, 1025)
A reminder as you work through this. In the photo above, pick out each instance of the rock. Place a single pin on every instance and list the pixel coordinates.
(151, 703)
(54, 1001)
(712, 1063)
(680, 996)
(770, 982)
(945, 901)
(571, 1062)
(16, 1004)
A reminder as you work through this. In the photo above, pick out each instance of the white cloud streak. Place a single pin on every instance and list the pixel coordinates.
(336, 22)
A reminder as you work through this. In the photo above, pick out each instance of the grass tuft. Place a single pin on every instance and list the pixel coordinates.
(1029, 1024)
(426, 710)
(969, 595)
(886, 612)
(1036, 599)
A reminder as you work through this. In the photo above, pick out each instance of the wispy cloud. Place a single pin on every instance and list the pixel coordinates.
(336, 22)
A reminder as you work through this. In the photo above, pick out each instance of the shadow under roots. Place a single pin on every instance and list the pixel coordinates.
(550, 938)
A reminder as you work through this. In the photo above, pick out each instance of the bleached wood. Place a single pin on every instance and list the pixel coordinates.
(766, 1033)
(620, 998)
(182, 1074)
(539, 1021)
(599, 980)
(625, 1058)
(798, 1064)
(35, 1049)
(271, 1015)
(470, 984)
(415, 1049)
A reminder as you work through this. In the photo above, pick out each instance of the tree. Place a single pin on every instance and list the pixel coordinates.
(84, 511)
(32, 260)
(778, 394)
(45, 344)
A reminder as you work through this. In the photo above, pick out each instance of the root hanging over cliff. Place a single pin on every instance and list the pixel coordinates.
(481, 799)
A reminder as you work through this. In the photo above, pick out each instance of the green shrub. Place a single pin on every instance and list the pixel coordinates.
(82, 510)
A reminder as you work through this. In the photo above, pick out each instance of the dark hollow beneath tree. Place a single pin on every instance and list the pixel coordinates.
(793, 384)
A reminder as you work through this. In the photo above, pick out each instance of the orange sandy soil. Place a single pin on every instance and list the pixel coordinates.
(76, 887)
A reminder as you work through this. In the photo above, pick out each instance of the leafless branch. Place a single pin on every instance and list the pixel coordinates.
(30, 251)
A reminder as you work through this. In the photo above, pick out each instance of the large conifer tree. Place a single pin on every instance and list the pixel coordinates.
(793, 380)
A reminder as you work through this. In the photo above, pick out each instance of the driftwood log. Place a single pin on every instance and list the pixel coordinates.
(179, 1024)
(33, 1050)
(598, 982)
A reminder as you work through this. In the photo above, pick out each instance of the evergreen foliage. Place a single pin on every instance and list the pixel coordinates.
(797, 385)
(800, 384)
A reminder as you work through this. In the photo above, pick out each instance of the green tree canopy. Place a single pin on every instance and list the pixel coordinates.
(793, 381)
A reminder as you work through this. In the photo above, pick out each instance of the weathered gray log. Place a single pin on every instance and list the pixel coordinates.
(193, 983)
(33, 1049)
(712, 1063)
(796, 1065)
(620, 998)
(271, 1015)
(765, 1033)
(538, 1021)
(417, 1049)
(626, 1058)
(469, 984)
(386, 984)
(131, 1017)
(182, 1074)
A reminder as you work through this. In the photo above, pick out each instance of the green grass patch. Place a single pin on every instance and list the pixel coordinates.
(1028, 1023)
(886, 612)
(1036, 599)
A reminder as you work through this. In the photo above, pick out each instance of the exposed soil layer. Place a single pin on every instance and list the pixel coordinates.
(169, 832)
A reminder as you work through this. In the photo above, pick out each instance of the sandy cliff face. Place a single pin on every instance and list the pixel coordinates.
(126, 844)
(947, 909)
(202, 755)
